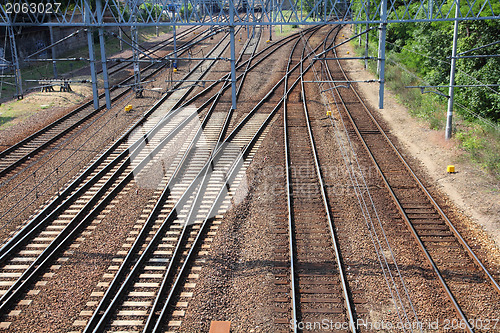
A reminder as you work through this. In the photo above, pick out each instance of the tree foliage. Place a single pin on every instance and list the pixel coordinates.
(426, 48)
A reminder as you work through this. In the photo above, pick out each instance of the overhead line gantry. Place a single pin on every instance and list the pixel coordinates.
(229, 14)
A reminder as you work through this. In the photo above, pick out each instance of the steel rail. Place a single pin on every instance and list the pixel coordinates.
(114, 99)
(31, 277)
(180, 201)
(293, 295)
(79, 221)
(96, 319)
(452, 227)
(27, 278)
(222, 193)
(415, 235)
(363, 203)
(335, 244)
(197, 200)
(273, 47)
(76, 111)
(58, 204)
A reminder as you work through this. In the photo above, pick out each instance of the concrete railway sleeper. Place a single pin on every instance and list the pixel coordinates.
(272, 48)
(120, 146)
(54, 204)
(142, 120)
(233, 150)
(29, 147)
(176, 182)
(43, 263)
(71, 229)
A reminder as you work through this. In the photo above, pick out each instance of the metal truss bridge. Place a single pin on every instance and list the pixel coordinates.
(245, 12)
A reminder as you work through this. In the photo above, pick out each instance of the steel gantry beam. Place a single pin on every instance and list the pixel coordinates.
(90, 41)
(275, 12)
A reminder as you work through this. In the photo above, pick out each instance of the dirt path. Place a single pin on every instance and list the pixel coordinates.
(471, 189)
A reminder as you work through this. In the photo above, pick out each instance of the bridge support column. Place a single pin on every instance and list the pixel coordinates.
(90, 42)
(103, 55)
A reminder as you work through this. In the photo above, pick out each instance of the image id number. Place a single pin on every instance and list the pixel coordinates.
(32, 8)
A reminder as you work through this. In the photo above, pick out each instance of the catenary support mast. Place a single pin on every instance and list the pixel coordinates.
(449, 113)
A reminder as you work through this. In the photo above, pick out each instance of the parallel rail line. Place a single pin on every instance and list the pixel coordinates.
(15, 155)
(315, 268)
(108, 167)
(189, 212)
(115, 169)
(131, 128)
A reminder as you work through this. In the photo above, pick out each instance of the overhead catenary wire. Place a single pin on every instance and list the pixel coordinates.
(40, 182)
(17, 174)
(484, 85)
(474, 114)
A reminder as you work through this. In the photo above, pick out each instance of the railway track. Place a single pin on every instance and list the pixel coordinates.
(14, 156)
(58, 222)
(82, 205)
(27, 200)
(46, 182)
(192, 160)
(310, 281)
(177, 183)
(466, 282)
(168, 264)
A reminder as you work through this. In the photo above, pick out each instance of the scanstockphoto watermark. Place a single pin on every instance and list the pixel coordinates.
(332, 325)
(369, 325)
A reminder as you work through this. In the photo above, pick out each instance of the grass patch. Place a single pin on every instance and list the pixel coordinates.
(15, 111)
(285, 30)
(482, 144)
(288, 29)
(480, 141)
(4, 120)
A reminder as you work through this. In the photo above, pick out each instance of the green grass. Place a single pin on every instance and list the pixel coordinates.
(16, 109)
(285, 30)
(479, 141)
(288, 29)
